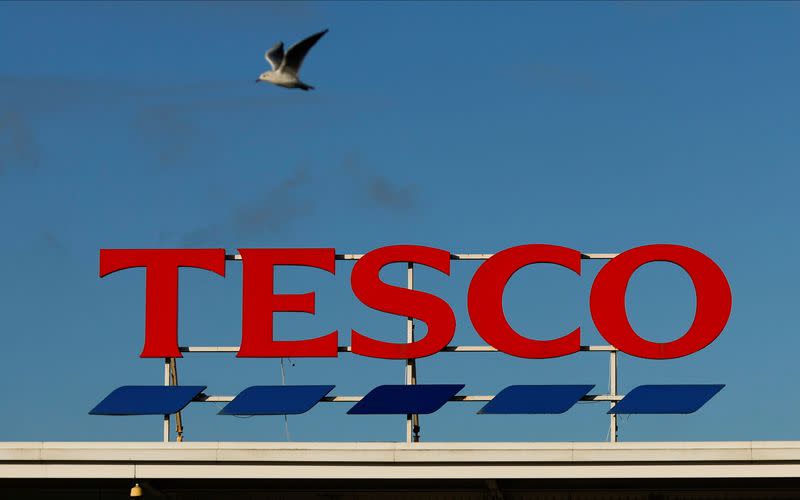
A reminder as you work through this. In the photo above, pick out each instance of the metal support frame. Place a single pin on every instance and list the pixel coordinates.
(612, 390)
(171, 378)
(173, 369)
(412, 420)
(166, 383)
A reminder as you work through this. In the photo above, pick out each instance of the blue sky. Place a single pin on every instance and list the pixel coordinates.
(469, 127)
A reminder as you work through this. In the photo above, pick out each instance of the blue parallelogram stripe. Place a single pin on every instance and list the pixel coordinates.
(535, 399)
(663, 399)
(147, 400)
(404, 399)
(276, 399)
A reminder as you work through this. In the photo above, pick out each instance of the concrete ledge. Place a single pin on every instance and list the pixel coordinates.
(741, 459)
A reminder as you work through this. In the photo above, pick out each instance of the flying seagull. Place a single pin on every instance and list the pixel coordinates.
(285, 67)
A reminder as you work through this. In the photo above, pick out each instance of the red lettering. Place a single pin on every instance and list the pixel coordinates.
(607, 301)
(259, 301)
(485, 301)
(430, 309)
(161, 289)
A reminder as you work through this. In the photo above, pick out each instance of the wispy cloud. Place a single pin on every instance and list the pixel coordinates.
(162, 116)
(169, 133)
(42, 91)
(51, 241)
(276, 211)
(378, 190)
(238, 10)
(18, 146)
(563, 77)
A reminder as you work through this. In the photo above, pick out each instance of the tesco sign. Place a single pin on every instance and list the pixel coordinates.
(484, 299)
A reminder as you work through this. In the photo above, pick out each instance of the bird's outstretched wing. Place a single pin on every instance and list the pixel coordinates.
(274, 56)
(297, 52)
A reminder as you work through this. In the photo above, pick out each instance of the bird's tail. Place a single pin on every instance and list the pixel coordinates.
(304, 86)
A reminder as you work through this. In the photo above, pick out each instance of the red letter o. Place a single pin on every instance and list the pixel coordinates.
(607, 301)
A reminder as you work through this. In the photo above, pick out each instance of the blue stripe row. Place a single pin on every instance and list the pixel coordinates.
(147, 400)
(404, 399)
(276, 400)
(535, 399)
(660, 399)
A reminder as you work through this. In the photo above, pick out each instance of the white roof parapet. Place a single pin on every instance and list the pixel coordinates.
(739, 459)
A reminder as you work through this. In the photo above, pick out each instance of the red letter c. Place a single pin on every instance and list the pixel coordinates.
(485, 301)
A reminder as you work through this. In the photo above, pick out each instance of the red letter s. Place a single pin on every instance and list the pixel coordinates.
(435, 312)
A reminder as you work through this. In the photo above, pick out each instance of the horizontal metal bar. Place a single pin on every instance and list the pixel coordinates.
(485, 256)
(349, 256)
(471, 398)
(470, 256)
(205, 398)
(488, 348)
(234, 348)
(469, 348)
(449, 348)
(603, 397)
(598, 348)
(598, 256)
(453, 256)
(342, 399)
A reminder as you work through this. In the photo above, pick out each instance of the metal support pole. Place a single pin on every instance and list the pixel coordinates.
(173, 371)
(612, 390)
(166, 383)
(412, 421)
